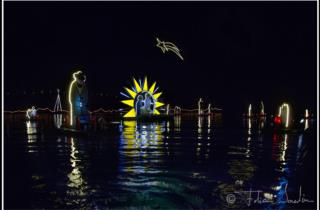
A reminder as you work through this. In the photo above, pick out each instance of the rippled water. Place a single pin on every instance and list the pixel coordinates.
(188, 163)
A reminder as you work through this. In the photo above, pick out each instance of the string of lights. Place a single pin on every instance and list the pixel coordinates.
(97, 110)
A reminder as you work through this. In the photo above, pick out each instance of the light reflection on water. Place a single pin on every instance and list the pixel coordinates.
(140, 145)
(184, 163)
(32, 136)
(58, 120)
(76, 182)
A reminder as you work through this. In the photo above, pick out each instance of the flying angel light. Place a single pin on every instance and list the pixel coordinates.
(142, 99)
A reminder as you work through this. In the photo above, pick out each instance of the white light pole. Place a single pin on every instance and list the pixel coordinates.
(199, 106)
(262, 108)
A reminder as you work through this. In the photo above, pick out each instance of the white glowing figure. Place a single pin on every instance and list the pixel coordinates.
(57, 105)
(177, 110)
(168, 46)
(31, 113)
(199, 106)
(306, 115)
(209, 109)
(261, 108)
(250, 111)
(287, 115)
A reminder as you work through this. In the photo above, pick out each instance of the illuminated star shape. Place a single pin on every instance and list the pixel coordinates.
(168, 46)
(133, 93)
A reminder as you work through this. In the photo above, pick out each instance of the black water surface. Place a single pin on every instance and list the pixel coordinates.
(188, 163)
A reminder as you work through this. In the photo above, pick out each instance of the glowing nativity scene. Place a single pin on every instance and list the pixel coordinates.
(143, 101)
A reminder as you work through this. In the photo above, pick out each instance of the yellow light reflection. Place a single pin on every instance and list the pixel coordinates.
(284, 149)
(76, 183)
(177, 123)
(31, 132)
(141, 140)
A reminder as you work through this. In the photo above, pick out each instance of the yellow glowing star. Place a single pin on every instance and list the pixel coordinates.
(142, 99)
(168, 46)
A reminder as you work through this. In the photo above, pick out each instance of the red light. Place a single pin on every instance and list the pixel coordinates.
(275, 137)
(277, 120)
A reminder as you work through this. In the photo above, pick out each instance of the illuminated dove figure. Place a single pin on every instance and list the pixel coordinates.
(168, 46)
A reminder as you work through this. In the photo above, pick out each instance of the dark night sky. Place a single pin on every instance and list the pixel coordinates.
(234, 53)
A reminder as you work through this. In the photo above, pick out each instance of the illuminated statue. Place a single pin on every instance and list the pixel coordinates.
(142, 100)
(31, 113)
(177, 110)
(78, 99)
